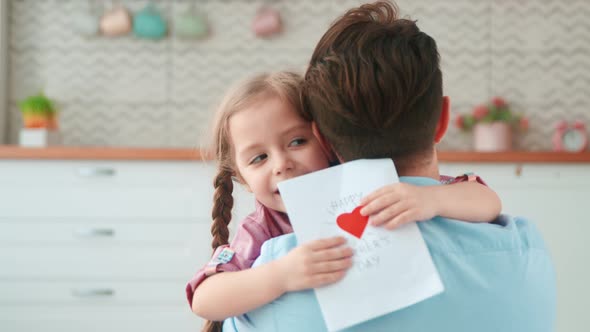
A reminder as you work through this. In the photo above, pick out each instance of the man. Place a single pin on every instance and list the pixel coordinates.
(374, 90)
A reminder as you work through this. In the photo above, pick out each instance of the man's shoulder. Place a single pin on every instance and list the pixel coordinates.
(486, 270)
(506, 233)
(442, 235)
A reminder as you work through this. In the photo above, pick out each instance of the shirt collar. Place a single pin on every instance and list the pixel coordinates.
(418, 180)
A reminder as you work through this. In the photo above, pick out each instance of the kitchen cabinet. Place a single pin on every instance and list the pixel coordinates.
(103, 245)
(108, 245)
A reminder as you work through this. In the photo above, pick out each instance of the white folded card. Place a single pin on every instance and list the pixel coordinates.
(391, 269)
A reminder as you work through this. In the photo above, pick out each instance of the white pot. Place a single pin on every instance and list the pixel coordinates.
(39, 137)
(492, 137)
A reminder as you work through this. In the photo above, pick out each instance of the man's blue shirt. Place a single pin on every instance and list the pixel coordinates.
(497, 277)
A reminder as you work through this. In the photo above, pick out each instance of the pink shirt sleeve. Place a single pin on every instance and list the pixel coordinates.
(467, 177)
(239, 255)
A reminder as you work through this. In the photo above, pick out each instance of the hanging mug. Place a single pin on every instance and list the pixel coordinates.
(191, 25)
(116, 22)
(148, 23)
(267, 22)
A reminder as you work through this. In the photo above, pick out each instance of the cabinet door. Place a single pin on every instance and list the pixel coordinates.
(554, 197)
(100, 263)
(104, 246)
(118, 173)
(104, 293)
(73, 189)
(100, 232)
(91, 318)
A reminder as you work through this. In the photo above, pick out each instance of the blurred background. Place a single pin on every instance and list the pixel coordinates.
(130, 91)
(102, 230)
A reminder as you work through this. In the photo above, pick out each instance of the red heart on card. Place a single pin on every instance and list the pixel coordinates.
(353, 223)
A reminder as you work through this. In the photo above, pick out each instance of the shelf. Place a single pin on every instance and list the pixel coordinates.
(113, 153)
(514, 157)
(99, 153)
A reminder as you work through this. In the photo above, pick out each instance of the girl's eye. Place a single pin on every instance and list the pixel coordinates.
(257, 159)
(297, 142)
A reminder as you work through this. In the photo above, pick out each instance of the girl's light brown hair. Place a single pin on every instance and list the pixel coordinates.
(285, 85)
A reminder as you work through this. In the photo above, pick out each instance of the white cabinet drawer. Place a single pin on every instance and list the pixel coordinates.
(106, 201)
(66, 173)
(103, 293)
(41, 318)
(103, 262)
(106, 232)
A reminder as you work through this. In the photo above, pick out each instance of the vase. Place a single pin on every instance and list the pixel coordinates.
(492, 137)
(39, 137)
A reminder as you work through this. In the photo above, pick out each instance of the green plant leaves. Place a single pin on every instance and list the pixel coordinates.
(38, 104)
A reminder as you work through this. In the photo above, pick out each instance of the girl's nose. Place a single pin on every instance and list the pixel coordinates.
(282, 164)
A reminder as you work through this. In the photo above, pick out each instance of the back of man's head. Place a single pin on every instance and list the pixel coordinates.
(374, 86)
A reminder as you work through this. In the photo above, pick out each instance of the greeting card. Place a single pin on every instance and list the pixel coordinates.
(391, 269)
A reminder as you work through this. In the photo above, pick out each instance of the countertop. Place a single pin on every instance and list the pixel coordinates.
(163, 154)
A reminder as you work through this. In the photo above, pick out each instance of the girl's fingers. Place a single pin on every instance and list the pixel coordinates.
(332, 266)
(379, 203)
(331, 254)
(376, 194)
(326, 243)
(403, 218)
(387, 215)
(323, 279)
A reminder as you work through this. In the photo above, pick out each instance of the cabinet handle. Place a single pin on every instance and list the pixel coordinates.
(518, 170)
(93, 292)
(90, 172)
(96, 232)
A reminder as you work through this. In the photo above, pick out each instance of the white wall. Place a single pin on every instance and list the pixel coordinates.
(3, 71)
(126, 91)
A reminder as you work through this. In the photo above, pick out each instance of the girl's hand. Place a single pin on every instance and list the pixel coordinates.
(398, 204)
(315, 264)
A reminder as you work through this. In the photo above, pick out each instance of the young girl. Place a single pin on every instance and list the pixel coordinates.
(262, 138)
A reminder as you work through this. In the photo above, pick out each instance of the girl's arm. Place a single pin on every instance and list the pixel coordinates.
(469, 201)
(310, 265)
(401, 203)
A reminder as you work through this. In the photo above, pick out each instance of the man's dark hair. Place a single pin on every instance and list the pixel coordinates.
(374, 86)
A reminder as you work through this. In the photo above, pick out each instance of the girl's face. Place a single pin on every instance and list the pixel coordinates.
(273, 143)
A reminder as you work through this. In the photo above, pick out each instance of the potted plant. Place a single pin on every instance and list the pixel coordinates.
(492, 125)
(39, 121)
(38, 112)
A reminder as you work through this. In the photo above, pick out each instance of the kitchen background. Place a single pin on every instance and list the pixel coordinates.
(85, 232)
(127, 91)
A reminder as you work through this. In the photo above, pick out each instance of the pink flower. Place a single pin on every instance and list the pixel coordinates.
(579, 125)
(480, 112)
(459, 121)
(523, 123)
(499, 102)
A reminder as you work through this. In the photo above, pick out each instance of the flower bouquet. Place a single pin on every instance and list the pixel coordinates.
(492, 125)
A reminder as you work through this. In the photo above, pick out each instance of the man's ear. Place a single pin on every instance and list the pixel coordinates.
(326, 146)
(443, 121)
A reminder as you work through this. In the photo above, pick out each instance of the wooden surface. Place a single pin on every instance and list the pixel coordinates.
(112, 153)
(99, 153)
(514, 157)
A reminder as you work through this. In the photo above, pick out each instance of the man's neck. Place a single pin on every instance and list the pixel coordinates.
(423, 167)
